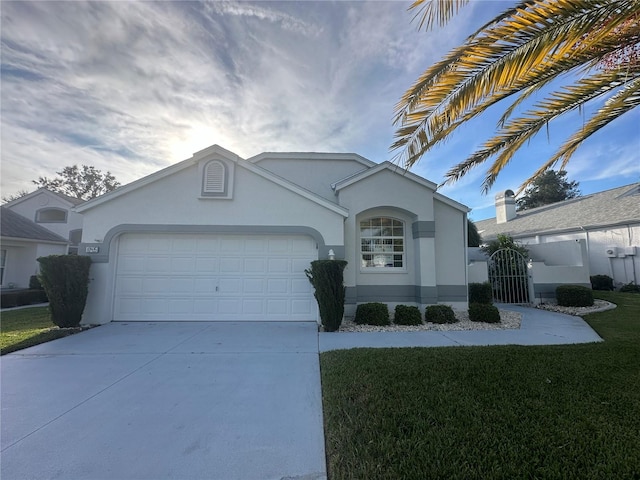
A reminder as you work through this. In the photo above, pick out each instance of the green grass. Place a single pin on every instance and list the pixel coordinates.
(505, 412)
(28, 327)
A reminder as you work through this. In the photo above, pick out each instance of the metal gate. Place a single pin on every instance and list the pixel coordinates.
(509, 276)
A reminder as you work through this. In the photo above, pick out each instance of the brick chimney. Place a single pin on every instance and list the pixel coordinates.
(505, 206)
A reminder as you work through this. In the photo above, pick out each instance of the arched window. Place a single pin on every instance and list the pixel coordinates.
(51, 215)
(382, 243)
(214, 182)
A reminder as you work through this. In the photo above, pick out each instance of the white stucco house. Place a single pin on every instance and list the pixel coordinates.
(607, 222)
(22, 241)
(219, 237)
(53, 211)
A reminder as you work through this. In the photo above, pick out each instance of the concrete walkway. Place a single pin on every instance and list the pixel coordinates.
(539, 327)
(166, 400)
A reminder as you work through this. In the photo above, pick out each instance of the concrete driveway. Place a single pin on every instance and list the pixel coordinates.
(166, 400)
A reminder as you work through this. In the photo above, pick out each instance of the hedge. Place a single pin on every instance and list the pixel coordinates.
(372, 314)
(574, 296)
(407, 315)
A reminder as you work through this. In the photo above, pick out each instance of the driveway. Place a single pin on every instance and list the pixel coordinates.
(166, 400)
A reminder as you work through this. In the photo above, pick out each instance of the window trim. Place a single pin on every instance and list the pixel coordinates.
(391, 238)
(40, 211)
(3, 264)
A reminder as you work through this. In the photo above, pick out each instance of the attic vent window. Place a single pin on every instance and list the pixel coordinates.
(215, 179)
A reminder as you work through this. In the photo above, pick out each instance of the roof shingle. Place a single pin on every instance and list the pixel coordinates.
(612, 207)
(13, 225)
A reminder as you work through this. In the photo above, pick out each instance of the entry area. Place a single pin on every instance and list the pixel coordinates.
(206, 277)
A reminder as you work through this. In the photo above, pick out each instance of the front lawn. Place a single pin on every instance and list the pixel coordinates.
(565, 412)
(28, 327)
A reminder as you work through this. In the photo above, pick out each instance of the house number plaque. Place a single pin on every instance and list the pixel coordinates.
(92, 250)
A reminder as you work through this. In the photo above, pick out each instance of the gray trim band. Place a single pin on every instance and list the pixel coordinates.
(548, 290)
(104, 248)
(423, 229)
(406, 293)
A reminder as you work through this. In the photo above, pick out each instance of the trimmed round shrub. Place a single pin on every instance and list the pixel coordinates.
(326, 276)
(372, 314)
(440, 314)
(630, 288)
(482, 312)
(574, 296)
(65, 279)
(601, 282)
(480, 293)
(407, 315)
(34, 283)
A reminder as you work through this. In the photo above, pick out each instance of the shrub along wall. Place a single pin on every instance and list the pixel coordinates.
(65, 279)
(326, 276)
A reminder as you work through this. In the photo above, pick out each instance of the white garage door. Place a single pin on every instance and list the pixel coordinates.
(214, 277)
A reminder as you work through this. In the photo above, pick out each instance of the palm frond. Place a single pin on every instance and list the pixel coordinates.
(506, 143)
(521, 53)
(435, 11)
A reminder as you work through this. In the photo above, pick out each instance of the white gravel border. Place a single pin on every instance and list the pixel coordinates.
(508, 320)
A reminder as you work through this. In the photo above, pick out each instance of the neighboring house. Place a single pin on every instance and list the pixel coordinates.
(609, 223)
(21, 243)
(53, 211)
(218, 237)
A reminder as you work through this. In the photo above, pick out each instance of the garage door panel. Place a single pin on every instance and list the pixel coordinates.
(302, 307)
(254, 265)
(278, 245)
(214, 277)
(206, 264)
(299, 265)
(180, 306)
(231, 265)
(155, 285)
(204, 285)
(131, 264)
(301, 287)
(158, 264)
(277, 286)
(277, 306)
(278, 265)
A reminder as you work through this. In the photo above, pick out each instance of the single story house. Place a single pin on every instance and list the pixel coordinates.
(219, 237)
(22, 241)
(53, 211)
(608, 222)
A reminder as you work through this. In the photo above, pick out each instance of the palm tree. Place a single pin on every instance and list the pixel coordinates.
(515, 55)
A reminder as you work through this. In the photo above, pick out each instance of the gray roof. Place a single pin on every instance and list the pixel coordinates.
(612, 207)
(13, 225)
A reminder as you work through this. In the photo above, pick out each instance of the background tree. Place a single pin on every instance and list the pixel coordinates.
(11, 198)
(550, 187)
(86, 182)
(473, 237)
(592, 44)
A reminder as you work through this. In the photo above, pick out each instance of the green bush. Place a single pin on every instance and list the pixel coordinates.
(326, 276)
(34, 283)
(630, 288)
(407, 315)
(440, 314)
(480, 293)
(65, 279)
(372, 314)
(574, 296)
(601, 282)
(482, 312)
(22, 297)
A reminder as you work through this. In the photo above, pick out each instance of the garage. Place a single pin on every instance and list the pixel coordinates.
(205, 277)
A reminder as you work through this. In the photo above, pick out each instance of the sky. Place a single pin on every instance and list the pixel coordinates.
(133, 87)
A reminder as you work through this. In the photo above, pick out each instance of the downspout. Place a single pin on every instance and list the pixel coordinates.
(633, 257)
(465, 219)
